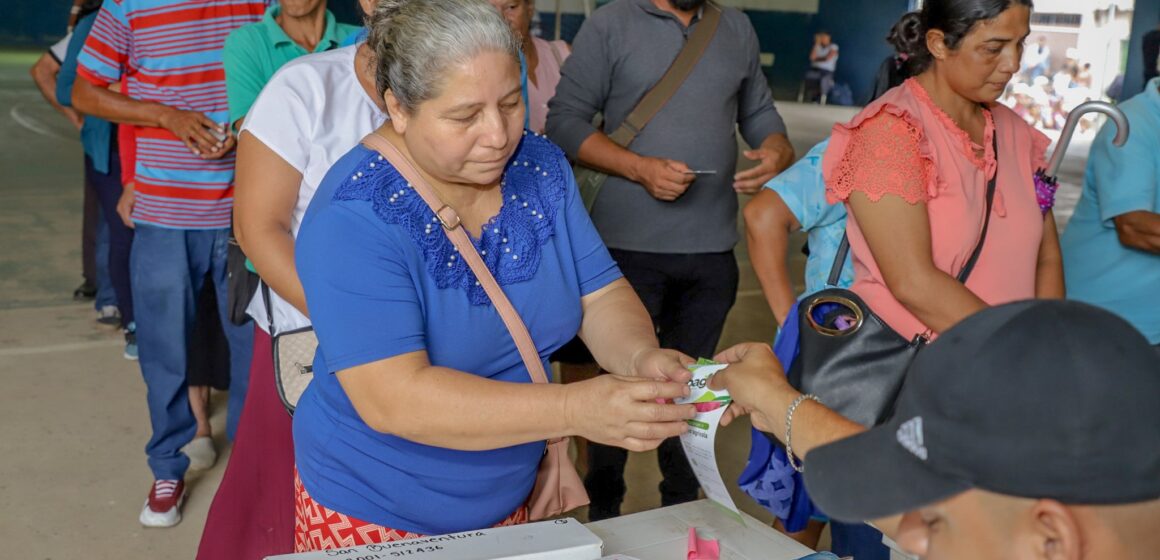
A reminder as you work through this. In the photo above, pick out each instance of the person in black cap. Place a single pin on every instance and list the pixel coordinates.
(1028, 431)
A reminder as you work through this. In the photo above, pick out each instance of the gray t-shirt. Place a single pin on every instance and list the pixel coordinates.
(619, 54)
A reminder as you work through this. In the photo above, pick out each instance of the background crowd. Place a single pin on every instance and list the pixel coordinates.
(222, 144)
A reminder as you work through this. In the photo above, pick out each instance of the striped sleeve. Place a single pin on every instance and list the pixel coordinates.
(106, 51)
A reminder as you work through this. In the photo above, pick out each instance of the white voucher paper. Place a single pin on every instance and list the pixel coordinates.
(702, 435)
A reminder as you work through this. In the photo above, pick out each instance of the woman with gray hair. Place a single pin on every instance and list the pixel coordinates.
(422, 418)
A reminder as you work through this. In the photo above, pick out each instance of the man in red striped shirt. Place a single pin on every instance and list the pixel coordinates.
(170, 54)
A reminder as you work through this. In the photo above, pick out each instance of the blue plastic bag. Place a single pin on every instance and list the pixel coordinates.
(768, 477)
(841, 95)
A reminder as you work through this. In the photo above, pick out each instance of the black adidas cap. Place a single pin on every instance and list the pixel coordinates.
(1037, 399)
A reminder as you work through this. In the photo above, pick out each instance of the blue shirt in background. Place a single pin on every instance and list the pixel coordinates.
(383, 280)
(96, 134)
(803, 191)
(1098, 269)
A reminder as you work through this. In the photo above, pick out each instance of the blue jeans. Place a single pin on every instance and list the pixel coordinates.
(107, 187)
(168, 267)
(858, 540)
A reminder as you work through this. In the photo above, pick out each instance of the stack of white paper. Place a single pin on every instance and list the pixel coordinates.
(561, 539)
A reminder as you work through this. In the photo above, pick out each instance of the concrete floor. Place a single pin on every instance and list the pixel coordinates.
(73, 421)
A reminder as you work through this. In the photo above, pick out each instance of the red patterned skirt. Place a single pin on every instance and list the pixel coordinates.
(317, 527)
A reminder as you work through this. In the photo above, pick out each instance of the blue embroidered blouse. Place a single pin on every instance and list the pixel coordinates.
(383, 280)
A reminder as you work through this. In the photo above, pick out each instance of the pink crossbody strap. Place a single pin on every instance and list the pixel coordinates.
(455, 232)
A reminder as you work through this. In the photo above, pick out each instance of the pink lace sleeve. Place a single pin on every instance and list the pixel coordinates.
(882, 155)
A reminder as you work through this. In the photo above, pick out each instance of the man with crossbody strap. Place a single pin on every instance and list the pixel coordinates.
(668, 210)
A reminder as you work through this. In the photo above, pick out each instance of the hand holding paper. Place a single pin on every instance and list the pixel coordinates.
(660, 363)
(621, 411)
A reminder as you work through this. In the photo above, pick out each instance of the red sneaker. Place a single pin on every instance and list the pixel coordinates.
(163, 507)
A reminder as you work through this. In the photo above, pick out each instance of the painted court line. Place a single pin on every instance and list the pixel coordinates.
(31, 124)
(55, 348)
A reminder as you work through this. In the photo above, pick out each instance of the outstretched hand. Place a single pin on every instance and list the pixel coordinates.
(755, 379)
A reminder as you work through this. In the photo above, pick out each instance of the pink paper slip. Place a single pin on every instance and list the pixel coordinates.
(702, 549)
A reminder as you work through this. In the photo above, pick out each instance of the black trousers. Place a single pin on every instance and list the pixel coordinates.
(89, 223)
(688, 297)
(209, 351)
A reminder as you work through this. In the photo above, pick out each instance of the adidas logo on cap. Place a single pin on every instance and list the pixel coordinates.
(909, 435)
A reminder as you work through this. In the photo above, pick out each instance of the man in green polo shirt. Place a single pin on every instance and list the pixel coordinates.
(290, 29)
(254, 52)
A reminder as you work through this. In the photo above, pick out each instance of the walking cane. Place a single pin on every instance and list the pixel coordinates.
(1046, 181)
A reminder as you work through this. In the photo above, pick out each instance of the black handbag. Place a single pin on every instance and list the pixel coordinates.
(241, 284)
(849, 357)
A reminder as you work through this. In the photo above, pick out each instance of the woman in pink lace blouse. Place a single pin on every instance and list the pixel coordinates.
(913, 169)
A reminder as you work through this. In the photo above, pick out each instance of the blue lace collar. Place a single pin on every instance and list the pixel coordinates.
(533, 187)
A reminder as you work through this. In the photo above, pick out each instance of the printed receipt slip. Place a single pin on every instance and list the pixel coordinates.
(699, 440)
(560, 539)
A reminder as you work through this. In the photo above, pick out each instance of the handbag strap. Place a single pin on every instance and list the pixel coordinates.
(991, 187)
(965, 273)
(839, 261)
(458, 236)
(678, 71)
(269, 308)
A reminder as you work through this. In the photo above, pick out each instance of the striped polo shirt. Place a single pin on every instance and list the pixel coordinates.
(170, 51)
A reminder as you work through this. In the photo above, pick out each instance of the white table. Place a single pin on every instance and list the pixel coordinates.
(663, 534)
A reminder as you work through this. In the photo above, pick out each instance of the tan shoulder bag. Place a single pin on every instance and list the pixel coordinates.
(558, 486)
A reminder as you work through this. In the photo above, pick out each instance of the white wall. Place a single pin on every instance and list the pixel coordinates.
(804, 6)
(1097, 39)
(1100, 45)
(1080, 6)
